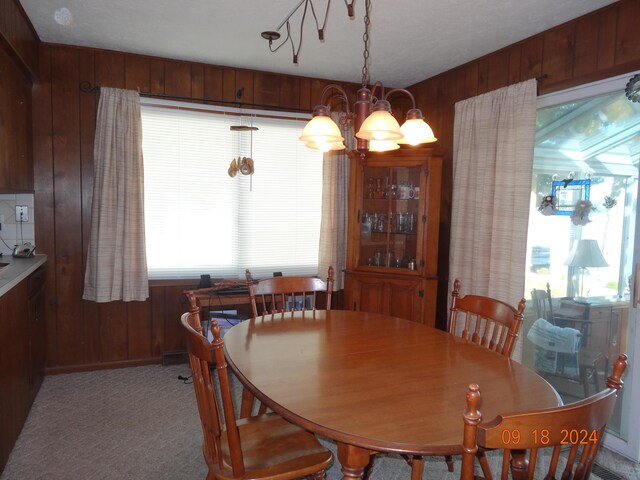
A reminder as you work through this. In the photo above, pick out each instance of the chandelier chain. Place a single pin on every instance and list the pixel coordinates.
(365, 38)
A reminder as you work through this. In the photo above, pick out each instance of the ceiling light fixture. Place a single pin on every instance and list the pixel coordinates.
(273, 35)
(376, 128)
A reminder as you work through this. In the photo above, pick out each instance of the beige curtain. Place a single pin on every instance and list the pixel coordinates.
(492, 170)
(116, 261)
(333, 224)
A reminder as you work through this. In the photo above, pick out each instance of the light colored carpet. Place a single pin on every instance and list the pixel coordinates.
(134, 423)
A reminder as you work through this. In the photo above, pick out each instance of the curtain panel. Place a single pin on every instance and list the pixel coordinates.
(335, 195)
(116, 261)
(494, 136)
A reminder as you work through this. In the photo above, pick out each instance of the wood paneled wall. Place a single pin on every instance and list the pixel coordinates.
(86, 335)
(599, 45)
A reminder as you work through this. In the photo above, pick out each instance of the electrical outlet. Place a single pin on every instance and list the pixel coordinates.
(22, 213)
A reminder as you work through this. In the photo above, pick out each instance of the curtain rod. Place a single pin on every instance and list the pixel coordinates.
(86, 87)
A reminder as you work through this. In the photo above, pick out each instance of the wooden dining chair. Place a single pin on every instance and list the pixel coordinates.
(485, 321)
(589, 359)
(522, 436)
(279, 294)
(258, 447)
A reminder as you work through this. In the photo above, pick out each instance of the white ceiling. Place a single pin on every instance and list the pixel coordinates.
(411, 40)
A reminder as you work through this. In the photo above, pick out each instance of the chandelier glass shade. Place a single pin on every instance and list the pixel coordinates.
(416, 130)
(380, 124)
(382, 145)
(325, 147)
(322, 133)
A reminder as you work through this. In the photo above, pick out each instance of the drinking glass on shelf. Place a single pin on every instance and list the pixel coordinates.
(390, 261)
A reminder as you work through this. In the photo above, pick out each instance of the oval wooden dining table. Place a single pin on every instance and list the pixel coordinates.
(375, 383)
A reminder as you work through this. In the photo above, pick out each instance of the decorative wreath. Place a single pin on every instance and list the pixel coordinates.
(580, 215)
(548, 206)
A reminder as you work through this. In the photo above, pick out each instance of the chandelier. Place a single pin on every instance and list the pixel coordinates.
(376, 128)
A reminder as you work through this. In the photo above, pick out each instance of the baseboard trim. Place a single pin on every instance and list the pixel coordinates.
(102, 365)
(175, 358)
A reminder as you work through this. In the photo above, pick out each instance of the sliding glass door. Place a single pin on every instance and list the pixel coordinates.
(583, 248)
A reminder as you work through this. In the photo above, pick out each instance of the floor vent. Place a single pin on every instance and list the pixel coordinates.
(605, 473)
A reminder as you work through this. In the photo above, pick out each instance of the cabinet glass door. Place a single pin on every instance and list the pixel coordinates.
(390, 217)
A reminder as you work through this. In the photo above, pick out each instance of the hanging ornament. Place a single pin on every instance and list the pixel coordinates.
(580, 215)
(609, 202)
(548, 206)
(233, 168)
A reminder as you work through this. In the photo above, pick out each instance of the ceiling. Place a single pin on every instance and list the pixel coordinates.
(410, 40)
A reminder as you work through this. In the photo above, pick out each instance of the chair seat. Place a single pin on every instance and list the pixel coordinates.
(273, 448)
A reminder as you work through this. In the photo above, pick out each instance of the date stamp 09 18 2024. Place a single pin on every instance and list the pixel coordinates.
(542, 436)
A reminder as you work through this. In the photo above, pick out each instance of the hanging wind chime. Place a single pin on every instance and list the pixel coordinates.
(243, 164)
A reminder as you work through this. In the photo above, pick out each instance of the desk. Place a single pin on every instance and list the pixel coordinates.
(602, 320)
(375, 383)
(228, 295)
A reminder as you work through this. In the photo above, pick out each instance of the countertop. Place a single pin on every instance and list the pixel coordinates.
(17, 270)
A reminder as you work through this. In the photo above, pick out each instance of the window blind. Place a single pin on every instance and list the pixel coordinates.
(198, 220)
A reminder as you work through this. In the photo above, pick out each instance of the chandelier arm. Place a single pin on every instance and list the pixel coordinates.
(341, 94)
(403, 90)
(375, 87)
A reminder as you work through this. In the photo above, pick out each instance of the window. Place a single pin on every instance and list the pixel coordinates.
(594, 139)
(199, 220)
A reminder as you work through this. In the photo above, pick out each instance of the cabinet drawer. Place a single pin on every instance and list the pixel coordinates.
(600, 313)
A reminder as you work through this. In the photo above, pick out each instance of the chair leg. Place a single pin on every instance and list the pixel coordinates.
(417, 466)
(584, 377)
(484, 464)
(449, 461)
(319, 475)
(596, 382)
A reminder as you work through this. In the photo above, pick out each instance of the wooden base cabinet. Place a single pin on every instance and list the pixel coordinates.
(22, 356)
(410, 298)
(394, 216)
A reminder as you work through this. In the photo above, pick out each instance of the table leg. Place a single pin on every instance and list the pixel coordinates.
(353, 459)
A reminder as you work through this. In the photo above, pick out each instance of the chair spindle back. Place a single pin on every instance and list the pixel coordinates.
(579, 425)
(486, 321)
(217, 415)
(279, 294)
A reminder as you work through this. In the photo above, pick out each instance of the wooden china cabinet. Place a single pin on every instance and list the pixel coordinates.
(392, 251)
